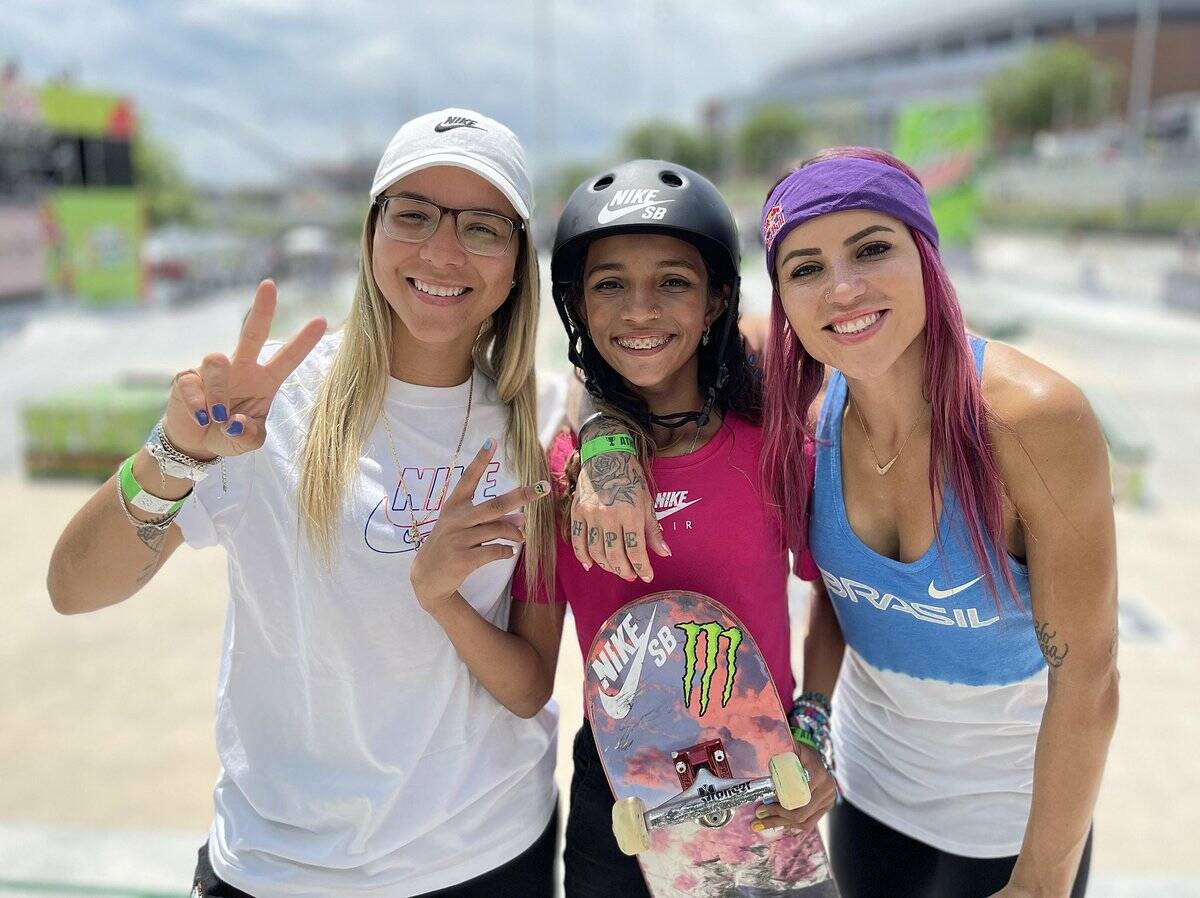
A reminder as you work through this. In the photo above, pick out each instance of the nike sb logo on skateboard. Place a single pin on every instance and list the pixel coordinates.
(624, 651)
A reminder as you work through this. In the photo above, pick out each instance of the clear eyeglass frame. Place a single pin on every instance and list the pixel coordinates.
(475, 242)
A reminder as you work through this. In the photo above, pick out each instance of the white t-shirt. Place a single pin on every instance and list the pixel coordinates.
(359, 756)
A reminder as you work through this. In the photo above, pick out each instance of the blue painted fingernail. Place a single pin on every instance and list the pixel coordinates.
(753, 358)
(202, 418)
(234, 429)
(488, 444)
(219, 413)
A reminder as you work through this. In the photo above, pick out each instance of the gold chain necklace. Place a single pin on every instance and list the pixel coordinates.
(414, 532)
(883, 469)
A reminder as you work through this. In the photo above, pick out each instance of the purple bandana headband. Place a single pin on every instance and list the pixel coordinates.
(837, 185)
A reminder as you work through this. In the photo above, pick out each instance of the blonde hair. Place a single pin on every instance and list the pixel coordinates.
(351, 400)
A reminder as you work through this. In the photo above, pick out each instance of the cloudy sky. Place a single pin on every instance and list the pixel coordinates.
(243, 90)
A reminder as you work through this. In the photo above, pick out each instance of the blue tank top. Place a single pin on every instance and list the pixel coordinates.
(933, 618)
(940, 695)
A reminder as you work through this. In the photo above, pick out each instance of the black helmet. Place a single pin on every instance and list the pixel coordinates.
(646, 196)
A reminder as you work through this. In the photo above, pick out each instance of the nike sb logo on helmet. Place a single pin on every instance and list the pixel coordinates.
(634, 199)
(457, 121)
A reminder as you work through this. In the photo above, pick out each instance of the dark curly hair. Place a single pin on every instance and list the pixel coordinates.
(742, 391)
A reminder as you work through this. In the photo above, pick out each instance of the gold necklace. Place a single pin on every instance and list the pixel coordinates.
(414, 532)
(883, 469)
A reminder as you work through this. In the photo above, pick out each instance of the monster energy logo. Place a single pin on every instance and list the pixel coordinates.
(712, 793)
(712, 641)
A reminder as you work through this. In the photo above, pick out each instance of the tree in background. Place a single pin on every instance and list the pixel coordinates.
(169, 197)
(1056, 86)
(667, 140)
(771, 137)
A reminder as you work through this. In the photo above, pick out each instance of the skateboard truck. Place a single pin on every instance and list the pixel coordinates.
(709, 796)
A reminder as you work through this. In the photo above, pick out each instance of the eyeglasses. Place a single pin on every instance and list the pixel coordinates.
(414, 220)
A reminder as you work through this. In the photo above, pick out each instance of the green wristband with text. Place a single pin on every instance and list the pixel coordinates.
(613, 442)
(139, 498)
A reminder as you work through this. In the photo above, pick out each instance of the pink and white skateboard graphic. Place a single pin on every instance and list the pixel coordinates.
(692, 737)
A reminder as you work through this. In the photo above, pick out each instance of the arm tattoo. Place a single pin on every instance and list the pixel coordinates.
(601, 427)
(631, 541)
(153, 539)
(1053, 652)
(609, 539)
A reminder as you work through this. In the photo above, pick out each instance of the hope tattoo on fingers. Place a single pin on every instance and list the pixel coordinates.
(577, 528)
(609, 538)
(631, 541)
(593, 536)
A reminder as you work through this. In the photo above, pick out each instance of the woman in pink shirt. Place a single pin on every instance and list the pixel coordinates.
(646, 281)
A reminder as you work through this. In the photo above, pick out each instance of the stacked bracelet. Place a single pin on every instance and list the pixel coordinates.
(139, 498)
(810, 724)
(130, 492)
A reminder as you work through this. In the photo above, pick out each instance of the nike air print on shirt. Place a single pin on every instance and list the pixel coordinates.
(725, 543)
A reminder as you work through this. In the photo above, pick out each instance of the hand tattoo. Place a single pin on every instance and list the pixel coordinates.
(609, 539)
(593, 535)
(577, 528)
(1051, 651)
(612, 477)
(631, 541)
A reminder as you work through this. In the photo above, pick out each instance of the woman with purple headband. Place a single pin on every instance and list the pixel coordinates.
(960, 515)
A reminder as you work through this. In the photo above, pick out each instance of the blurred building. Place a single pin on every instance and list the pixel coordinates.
(854, 83)
(71, 220)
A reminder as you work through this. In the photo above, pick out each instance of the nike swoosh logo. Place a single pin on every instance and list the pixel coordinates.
(444, 127)
(935, 593)
(667, 512)
(617, 706)
(609, 215)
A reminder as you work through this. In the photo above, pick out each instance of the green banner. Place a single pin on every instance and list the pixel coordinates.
(944, 142)
(85, 113)
(95, 244)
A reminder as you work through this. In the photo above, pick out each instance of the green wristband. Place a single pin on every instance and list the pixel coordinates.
(614, 442)
(139, 498)
(804, 739)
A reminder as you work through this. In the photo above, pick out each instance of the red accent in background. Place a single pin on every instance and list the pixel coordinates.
(122, 121)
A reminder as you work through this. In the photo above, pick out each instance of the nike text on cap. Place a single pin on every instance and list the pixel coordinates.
(464, 139)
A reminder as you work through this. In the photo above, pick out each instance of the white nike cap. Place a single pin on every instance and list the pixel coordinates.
(464, 139)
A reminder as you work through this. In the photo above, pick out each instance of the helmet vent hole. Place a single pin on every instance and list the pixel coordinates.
(670, 179)
(602, 182)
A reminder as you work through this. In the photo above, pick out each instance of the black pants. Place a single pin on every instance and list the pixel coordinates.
(529, 875)
(871, 860)
(593, 865)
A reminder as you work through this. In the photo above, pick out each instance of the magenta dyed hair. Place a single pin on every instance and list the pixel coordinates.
(961, 448)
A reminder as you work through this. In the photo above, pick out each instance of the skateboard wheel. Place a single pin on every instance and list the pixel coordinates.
(790, 780)
(629, 825)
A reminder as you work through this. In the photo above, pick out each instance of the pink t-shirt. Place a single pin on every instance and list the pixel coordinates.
(725, 540)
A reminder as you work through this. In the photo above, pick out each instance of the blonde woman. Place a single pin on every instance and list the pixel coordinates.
(367, 743)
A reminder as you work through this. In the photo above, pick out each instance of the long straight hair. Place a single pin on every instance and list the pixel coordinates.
(351, 400)
(961, 451)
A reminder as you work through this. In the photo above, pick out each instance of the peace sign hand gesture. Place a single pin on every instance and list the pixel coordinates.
(221, 407)
(455, 548)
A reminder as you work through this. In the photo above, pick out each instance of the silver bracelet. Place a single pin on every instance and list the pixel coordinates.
(145, 528)
(175, 463)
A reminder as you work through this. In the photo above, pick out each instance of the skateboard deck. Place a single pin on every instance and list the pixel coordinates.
(687, 721)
